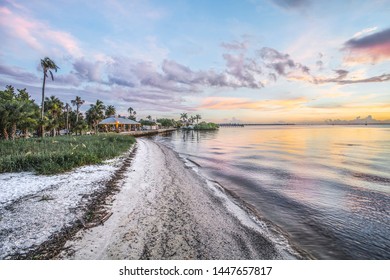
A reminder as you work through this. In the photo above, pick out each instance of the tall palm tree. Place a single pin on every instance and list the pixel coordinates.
(77, 102)
(47, 65)
(66, 108)
(197, 117)
(149, 118)
(130, 110)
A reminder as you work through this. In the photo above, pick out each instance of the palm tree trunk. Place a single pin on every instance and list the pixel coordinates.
(77, 113)
(13, 131)
(5, 134)
(43, 103)
(67, 119)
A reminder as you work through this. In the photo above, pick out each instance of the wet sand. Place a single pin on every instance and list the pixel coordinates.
(165, 210)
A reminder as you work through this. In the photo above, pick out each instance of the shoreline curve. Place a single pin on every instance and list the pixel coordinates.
(165, 210)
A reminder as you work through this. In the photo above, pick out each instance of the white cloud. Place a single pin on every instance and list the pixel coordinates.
(365, 31)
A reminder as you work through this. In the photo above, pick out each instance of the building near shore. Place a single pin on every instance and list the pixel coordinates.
(119, 124)
(152, 126)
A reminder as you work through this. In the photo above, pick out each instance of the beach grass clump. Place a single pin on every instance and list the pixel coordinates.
(60, 154)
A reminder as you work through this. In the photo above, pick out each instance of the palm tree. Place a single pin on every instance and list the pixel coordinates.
(30, 112)
(132, 113)
(79, 125)
(197, 117)
(66, 108)
(184, 116)
(47, 65)
(54, 109)
(17, 111)
(77, 102)
(95, 113)
(6, 98)
(149, 118)
(110, 111)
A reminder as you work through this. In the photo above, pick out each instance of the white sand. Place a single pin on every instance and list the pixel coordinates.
(34, 207)
(165, 210)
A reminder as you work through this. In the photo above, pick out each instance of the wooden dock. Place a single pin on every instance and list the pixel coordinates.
(231, 124)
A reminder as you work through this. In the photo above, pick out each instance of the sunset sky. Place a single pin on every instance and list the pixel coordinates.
(232, 60)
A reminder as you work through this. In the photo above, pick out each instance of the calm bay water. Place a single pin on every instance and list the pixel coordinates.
(326, 187)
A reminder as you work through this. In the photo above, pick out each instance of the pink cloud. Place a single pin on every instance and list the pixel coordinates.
(222, 103)
(372, 48)
(4, 11)
(37, 34)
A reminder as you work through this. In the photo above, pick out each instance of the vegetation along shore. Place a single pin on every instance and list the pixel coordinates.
(59, 154)
(29, 125)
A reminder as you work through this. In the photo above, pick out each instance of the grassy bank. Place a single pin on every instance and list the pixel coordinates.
(60, 154)
(206, 126)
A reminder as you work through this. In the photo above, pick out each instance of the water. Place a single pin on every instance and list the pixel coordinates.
(326, 187)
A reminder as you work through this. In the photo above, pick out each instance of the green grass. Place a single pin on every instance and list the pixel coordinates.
(54, 155)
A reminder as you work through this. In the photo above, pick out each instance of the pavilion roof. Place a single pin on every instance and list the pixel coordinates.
(115, 120)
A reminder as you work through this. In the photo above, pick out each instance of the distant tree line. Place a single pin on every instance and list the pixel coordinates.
(20, 116)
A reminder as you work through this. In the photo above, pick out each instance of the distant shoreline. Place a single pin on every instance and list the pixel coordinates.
(288, 124)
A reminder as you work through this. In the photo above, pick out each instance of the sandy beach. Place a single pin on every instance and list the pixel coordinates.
(165, 210)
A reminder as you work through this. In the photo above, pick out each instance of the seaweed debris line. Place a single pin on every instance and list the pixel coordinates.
(165, 210)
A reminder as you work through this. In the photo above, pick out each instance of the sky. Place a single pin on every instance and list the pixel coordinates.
(251, 61)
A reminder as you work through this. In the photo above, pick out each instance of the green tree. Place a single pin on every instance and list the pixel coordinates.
(133, 116)
(197, 117)
(54, 111)
(184, 117)
(6, 98)
(166, 122)
(110, 111)
(29, 112)
(17, 110)
(206, 126)
(47, 65)
(95, 114)
(77, 122)
(132, 113)
(77, 102)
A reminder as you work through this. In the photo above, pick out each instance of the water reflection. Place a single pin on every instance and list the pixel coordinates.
(197, 135)
(327, 186)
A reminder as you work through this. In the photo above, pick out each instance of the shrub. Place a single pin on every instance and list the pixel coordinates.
(206, 126)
